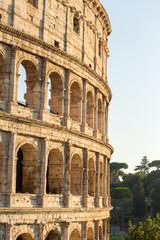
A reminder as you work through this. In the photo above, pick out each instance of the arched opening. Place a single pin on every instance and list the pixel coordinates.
(101, 180)
(90, 234)
(100, 233)
(22, 87)
(99, 115)
(28, 90)
(75, 102)
(24, 236)
(53, 235)
(76, 175)
(26, 169)
(2, 154)
(2, 78)
(55, 94)
(90, 106)
(54, 172)
(75, 235)
(91, 177)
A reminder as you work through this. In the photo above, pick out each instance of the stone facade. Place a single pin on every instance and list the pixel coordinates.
(54, 150)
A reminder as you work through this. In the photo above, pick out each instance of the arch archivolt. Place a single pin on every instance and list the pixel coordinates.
(55, 146)
(20, 142)
(52, 68)
(74, 226)
(89, 88)
(91, 155)
(51, 227)
(16, 231)
(77, 151)
(78, 81)
(23, 56)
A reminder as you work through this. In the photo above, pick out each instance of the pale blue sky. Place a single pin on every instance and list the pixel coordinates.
(134, 78)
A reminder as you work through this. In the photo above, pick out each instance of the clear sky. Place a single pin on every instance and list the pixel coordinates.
(134, 78)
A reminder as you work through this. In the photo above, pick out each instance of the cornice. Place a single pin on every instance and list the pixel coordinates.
(39, 123)
(14, 32)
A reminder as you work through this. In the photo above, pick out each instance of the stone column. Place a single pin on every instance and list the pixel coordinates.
(66, 183)
(44, 90)
(84, 29)
(95, 48)
(105, 182)
(84, 231)
(95, 112)
(97, 181)
(108, 182)
(13, 88)
(66, 3)
(44, 163)
(96, 230)
(85, 177)
(65, 232)
(11, 171)
(108, 228)
(66, 97)
(8, 231)
(104, 119)
(84, 102)
(105, 223)
(103, 52)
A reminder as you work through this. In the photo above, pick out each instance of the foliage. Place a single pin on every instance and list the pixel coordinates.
(115, 170)
(139, 200)
(130, 180)
(149, 230)
(143, 167)
(155, 195)
(155, 163)
(118, 165)
(151, 180)
(120, 193)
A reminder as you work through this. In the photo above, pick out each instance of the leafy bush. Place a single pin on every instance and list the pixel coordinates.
(149, 230)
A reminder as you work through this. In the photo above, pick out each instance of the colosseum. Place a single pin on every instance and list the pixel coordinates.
(54, 99)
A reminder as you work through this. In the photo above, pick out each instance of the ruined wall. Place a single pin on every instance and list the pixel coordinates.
(54, 150)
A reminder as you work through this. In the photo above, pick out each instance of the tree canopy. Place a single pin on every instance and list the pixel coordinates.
(116, 172)
(143, 167)
(155, 163)
(139, 200)
(120, 193)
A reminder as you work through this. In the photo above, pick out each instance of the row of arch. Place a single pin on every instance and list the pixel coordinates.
(55, 235)
(27, 172)
(28, 93)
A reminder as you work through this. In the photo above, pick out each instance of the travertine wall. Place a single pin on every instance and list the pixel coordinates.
(54, 150)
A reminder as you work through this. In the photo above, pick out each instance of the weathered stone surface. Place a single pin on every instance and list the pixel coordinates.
(54, 150)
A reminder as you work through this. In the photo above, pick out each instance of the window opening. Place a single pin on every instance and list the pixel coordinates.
(76, 24)
(100, 49)
(56, 44)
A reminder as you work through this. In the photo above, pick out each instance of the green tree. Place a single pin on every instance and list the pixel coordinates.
(116, 172)
(139, 200)
(155, 195)
(143, 167)
(121, 193)
(130, 179)
(149, 230)
(155, 163)
(151, 180)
